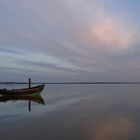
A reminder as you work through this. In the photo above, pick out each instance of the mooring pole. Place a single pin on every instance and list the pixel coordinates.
(29, 100)
(29, 82)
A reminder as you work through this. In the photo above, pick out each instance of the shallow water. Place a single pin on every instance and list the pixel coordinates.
(75, 112)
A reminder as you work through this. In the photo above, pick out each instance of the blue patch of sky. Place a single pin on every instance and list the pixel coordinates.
(129, 8)
(10, 51)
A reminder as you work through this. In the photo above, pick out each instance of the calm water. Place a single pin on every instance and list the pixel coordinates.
(75, 112)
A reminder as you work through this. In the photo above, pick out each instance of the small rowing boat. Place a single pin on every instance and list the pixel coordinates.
(24, 91)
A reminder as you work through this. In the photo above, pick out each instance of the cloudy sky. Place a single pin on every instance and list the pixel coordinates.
(81, 40)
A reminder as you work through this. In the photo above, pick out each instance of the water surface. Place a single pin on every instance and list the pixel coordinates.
(75, 112)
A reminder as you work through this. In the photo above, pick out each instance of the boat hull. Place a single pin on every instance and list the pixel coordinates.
(25, 91)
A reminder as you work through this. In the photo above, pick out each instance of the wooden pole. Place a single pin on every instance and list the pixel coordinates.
(29, 82)
(29, 100)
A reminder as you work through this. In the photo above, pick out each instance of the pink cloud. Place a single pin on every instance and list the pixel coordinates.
(106, 33)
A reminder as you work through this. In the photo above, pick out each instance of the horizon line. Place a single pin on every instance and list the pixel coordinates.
(129, 82)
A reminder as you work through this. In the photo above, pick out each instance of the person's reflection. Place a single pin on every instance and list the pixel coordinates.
(34, 97)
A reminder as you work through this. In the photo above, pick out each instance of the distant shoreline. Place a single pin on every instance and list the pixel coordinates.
(93, 83)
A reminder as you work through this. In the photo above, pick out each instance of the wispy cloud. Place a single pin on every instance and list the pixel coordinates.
(80, 36)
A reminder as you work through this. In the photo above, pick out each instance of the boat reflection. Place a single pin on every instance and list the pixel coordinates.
(31, 97)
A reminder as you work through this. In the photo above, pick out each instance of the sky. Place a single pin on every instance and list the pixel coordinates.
(70, 40)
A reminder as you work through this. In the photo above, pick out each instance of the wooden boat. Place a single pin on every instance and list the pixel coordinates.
(32, 97)
(24, 91)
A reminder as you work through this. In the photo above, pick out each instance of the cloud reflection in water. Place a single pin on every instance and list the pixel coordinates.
(86, 113)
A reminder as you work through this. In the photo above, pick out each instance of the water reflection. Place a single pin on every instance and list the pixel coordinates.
(34, 98)
(82, 112)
